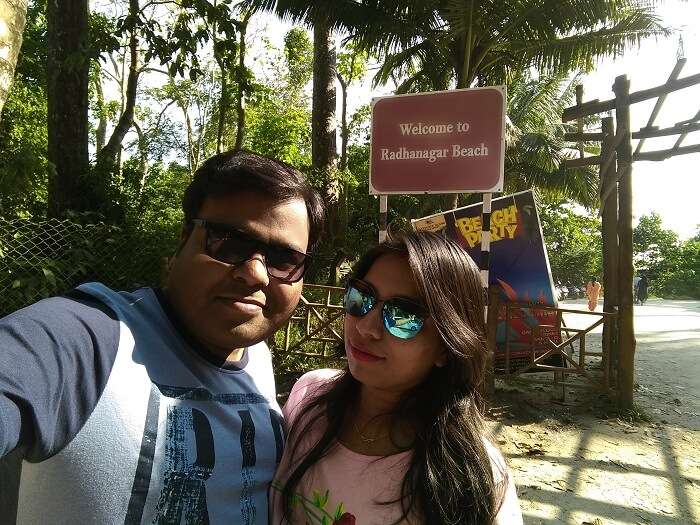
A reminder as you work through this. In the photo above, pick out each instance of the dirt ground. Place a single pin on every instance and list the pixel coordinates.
(575, 461)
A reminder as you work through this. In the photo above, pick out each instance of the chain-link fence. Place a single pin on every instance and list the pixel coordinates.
(44, 257)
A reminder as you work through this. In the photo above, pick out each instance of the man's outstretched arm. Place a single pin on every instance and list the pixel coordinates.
(55, 358)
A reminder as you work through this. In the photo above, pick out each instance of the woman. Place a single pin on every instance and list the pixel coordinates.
(398, 436)
(593, 292)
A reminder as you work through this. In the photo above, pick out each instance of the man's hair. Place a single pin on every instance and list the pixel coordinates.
(241, 170)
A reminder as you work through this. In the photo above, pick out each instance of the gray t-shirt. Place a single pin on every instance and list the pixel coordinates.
(108, 414)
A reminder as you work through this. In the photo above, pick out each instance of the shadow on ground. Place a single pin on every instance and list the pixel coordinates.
(577, 461)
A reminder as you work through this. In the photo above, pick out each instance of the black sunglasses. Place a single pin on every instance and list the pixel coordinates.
(232, 246)
(402, 317)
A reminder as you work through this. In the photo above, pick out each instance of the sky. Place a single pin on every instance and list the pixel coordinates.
(671, 187)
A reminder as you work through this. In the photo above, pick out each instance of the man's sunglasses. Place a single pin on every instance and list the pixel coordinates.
(229, 245)
(402, 317)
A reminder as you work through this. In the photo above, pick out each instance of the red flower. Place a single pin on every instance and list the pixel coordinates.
(345, 519)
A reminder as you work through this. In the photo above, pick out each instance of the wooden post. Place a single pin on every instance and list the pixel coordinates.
(383, 216)
(610, 243)
(627, 341)
(489, 386)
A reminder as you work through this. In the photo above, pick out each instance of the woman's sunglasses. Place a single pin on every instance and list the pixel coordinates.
(402, 317)
(231, 246)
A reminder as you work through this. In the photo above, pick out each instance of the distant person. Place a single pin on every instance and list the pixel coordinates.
(635, 285)
(398, 436)
(643, 289)
(593, 292)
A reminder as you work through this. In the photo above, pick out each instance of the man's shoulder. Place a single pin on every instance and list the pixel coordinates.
(60, 312)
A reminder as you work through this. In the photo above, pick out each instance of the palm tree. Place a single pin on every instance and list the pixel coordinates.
(478, 42)
(535, 146)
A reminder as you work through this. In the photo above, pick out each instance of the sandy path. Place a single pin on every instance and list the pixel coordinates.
(575, 463)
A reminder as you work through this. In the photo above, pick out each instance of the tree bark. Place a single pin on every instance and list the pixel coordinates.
(107, 157)
(67, 100)
(143, 157)
(101, 132)
(323, 126)
(13, 16)
(241, 80)
(344, 133)
(223, 105)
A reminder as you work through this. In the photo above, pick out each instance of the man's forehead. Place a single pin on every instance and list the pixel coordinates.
(282, 223)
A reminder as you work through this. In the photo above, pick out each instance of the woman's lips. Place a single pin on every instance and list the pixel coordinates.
(363, 356)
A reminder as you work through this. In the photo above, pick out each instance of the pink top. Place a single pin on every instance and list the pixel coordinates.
(346, 488)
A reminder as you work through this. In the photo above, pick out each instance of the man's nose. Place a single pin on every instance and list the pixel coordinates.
(253, 271)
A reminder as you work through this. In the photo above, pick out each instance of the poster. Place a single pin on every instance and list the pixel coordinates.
(518, 265)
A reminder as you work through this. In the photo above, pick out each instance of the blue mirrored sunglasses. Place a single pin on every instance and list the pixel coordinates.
(402, 317)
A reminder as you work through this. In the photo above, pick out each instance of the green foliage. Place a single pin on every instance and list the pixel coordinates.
(31, 63)
(673, 267)
(23, 127)
(352, 62)
(278, 129)
(299, 57)
(574, 243)
(438, 43)
(103, 35)
(535, 146)
(652, 243)
(23, 150)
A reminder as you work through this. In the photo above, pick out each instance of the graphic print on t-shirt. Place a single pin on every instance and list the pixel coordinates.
(190, 454)
(183, 487)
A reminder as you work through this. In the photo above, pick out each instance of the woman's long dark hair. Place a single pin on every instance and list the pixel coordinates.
(450, 478)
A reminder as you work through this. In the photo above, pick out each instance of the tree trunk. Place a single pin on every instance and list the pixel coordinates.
(223, 105)
(241, 81)
(67, 101)
(323, 127)
(101, 132)
(143, 158)
(344, 133)
(13, 15)
(107, 157)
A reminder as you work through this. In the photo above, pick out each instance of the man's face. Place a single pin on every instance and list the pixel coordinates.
(227, 307)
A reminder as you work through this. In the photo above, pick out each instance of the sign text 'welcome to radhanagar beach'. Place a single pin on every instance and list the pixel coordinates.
(440, 142)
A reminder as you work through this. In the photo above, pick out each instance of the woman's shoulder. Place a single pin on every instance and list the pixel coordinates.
(499, 466)
(307, 387)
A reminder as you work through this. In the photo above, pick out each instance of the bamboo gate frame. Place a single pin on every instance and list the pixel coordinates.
(615, 167)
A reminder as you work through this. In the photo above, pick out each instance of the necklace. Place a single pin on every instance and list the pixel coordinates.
(367, 439)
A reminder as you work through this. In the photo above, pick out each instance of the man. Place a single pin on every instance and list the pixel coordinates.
(635, 288)
(158, 406)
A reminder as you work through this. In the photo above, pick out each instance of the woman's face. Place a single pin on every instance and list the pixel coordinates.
(378, 359)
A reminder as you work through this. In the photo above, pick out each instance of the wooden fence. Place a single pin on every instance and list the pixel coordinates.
(572, 349)
(317, 323)
(316, 328)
